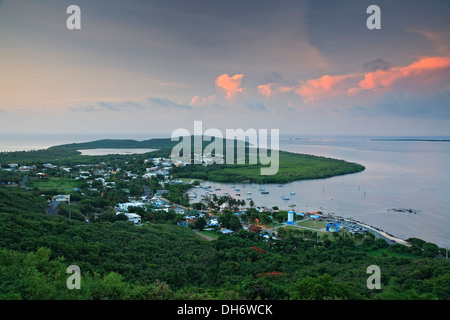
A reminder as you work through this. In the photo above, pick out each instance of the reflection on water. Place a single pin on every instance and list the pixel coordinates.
(398, 174)
(106, 151)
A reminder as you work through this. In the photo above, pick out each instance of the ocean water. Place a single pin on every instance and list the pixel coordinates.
(20, 142)
(399, 174)
(106, 151)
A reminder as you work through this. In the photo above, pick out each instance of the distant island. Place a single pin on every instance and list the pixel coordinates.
(411, 139)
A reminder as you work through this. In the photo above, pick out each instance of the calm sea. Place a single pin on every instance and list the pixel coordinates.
(19, 142)
(399, 175)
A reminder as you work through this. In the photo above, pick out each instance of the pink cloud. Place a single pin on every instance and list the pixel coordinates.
(285, 89)
(266, 89)
(272, 89)
(325, 86)
(199, 102)
(428, 73)
(230, 85)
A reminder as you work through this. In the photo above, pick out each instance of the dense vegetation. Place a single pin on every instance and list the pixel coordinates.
(292, 167)
(165, 261)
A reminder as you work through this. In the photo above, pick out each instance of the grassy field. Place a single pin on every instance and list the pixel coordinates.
(63, 184)
(312, 224)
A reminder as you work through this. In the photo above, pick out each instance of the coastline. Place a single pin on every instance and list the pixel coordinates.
(379, 232)
(383, 233)
(376, 229)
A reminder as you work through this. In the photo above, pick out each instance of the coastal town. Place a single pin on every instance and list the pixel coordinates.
(148, 188)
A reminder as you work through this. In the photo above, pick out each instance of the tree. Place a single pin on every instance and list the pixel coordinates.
(320, 288)
(430, 250)
(208, 201)
(200, 223)
(230, 221)
(262, 289)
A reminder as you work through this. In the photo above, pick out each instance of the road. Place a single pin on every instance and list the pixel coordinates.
(24, 181)
(52, 207)
(146, 191)
(378, 233)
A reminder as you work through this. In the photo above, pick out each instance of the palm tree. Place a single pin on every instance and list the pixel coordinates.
(207, 199)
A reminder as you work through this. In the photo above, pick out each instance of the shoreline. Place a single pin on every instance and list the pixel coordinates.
(380, 232)
(383, 233)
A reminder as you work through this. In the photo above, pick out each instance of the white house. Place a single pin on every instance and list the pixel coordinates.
(132, 217)
(62, 198)
(213, 222)
(125, 206)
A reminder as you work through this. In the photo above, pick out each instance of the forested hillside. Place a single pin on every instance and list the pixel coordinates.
(164, 261)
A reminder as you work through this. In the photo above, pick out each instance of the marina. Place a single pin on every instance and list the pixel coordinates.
(375, 196)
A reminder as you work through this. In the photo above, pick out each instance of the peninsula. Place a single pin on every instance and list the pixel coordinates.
(292, 166)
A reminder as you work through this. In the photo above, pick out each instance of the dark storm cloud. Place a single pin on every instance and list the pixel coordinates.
(377, 64)
(408, 105)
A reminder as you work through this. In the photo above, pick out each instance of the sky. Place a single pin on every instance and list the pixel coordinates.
(303, 67)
